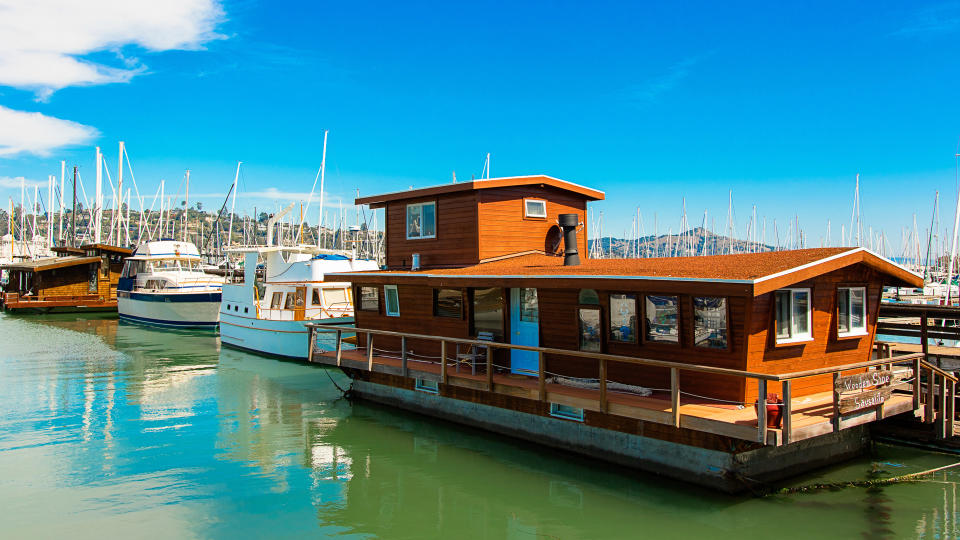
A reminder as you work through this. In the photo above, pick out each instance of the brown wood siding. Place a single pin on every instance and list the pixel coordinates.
(504, 230)
(456, 240)
(825, 350)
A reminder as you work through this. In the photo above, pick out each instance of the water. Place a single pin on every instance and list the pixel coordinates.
(112, 429)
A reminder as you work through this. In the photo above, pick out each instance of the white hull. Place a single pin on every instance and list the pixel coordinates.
(170, 313)
(278, 338)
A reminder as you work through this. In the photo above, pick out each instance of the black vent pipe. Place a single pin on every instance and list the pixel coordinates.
(569, 224)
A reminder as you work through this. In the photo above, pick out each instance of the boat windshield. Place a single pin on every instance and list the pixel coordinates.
(172, 265)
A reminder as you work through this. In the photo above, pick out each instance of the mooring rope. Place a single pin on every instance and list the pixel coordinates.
(912, 477)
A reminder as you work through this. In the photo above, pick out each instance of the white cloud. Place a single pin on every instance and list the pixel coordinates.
(36, 133)
(8, 182)
(43, 42)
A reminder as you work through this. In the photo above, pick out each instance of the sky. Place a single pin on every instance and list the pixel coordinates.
(659, 105)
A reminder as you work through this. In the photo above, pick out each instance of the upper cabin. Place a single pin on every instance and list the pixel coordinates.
(467, 223)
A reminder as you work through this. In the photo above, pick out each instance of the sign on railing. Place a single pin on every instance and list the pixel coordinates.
(851, 393)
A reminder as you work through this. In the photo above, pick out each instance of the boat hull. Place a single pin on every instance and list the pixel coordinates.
(287, 339)
(171, 309)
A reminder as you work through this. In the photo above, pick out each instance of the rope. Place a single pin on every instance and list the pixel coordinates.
(912, 477)
(346, 393)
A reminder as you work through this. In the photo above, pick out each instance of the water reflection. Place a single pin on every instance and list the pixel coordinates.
(126, 428)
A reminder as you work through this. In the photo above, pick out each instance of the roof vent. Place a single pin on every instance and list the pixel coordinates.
(569, 224)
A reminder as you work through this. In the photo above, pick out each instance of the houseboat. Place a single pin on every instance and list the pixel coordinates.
(268, 317)
(81, 278)
(727, 370)
(164, 284)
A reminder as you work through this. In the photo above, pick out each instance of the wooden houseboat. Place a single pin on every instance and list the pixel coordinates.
(723, 370)
(78, 279)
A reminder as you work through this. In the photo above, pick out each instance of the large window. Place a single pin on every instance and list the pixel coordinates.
(710, 322)
(590, 338)
(275, 300)
(370, 298)
(851, 311)
(488, 312)
(661, 316)
(421, 220)
(393, 300)
(448, 303)
(623, 318)
(793, 315)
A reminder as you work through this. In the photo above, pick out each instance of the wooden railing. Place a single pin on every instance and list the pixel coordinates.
(761, 380)
(940, 407)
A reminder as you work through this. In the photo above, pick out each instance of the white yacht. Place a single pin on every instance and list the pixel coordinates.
(164, 283)
(268, 317)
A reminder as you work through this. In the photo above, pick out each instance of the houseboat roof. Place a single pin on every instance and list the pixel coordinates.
(378, 201)
(107, 247)
(52, 263)
(757, 273)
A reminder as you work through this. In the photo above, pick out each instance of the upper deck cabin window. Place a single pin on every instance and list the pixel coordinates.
(662, 319)
(448, 303)
(710, 322)
(534, 208)
(851, 311)
(793, 315)
(422, 220)
(275, 300)
(369, 298)
(393, 300)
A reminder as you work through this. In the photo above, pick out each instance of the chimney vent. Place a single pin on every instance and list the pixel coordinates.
(569, 224)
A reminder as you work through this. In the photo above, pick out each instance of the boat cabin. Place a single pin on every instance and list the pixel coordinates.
(467, 223)
(82, 277)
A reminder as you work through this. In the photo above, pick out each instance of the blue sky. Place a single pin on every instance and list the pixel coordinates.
(650, 103)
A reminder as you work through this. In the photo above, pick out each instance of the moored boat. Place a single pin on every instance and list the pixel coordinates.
(164, 283)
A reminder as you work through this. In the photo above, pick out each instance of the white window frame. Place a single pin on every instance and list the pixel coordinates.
(863, 316)
(527, 214)
(386, 301)
(406, 222)
(808, 336)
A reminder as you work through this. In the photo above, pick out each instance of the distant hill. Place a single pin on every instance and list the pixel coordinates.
(697, 241)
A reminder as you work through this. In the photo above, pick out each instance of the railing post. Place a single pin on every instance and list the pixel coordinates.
(917, 389)
(762, 411)
(542, 378)
(787, 412)
(942, 423)
(931, 397)
(924, 342)
(403, 355)
(951, 406)
(603, 385)
(339, 346)
(369, 351)
(836, 402)
(310, 342)
(675, 396)
(443, 361)
(489, 368)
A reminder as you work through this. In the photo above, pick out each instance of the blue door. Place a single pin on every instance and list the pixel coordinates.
(524, 330)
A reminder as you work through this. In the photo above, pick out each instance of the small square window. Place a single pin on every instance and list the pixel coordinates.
(448, 303)
(393, 300)
(566, 412)
(662, 318)
(421, 220)
(710, 322)
(275, 300)
(623, 318)
(369, 298)
(534, 208)
(424, 385)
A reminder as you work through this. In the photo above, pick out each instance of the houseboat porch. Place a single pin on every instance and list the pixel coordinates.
(723, 444)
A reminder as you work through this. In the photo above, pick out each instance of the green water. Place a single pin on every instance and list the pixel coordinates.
(115, 430)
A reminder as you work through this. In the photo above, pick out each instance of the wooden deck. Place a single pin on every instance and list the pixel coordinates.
(14, 301)
(812, 415)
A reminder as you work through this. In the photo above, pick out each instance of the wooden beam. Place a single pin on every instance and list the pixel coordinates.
(489, 369)
(762, 411)
(951, 407)
(917, 390)
(403, 355)
(931, 397)
(443, 361)
(313, 334)
(542, 378)
(603, 385)
(787, 412)
(339, 347)
(942, 419)
(675, 395)
(369, 351)
(836, 403)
